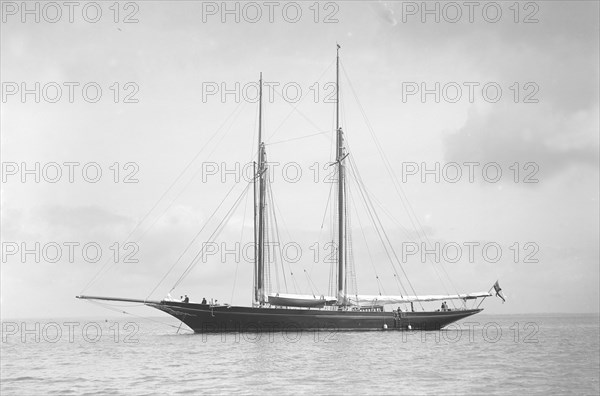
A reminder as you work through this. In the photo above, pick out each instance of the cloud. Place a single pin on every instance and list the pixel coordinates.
(385, 11)
(81, 217)
(510, 134)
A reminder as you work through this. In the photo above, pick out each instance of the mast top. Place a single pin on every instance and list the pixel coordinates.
(337, 88)
(259, 113)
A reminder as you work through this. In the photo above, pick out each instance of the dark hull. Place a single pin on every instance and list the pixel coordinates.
(220, 319)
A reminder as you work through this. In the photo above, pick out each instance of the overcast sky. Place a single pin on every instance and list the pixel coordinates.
(546, 121)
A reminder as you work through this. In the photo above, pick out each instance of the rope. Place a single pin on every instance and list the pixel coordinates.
(109, 307)
(298, 138)
(295, 106)
(404, 200)
(137, 226)
(375, 220)
(191, 242)
(241, 247)
(379, 286)
(214, 235)
(277, 236)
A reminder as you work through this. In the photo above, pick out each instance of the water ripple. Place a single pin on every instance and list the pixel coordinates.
(562, 358)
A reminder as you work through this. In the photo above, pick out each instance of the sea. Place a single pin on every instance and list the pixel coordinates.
(553, 354)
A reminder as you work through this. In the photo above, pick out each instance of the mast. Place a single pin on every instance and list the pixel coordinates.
(259, 207)
(337, 88)
(341, 202)
(255, 285)
(259, 112)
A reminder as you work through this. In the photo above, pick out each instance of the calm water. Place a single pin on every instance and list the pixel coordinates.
(548, 354)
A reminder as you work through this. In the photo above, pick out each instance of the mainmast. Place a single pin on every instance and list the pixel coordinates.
(259, 206)
(341, 293)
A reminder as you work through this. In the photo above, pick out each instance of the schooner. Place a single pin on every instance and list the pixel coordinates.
(283, 311)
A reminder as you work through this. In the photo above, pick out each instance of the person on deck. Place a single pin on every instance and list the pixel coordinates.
(203, 301)
(186, 299)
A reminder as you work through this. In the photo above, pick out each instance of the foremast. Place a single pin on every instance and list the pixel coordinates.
(341, 198)
(260, 174)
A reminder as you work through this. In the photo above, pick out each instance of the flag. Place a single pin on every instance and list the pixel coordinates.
(498, 291)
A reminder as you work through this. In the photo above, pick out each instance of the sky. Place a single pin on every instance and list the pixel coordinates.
(497, 87)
